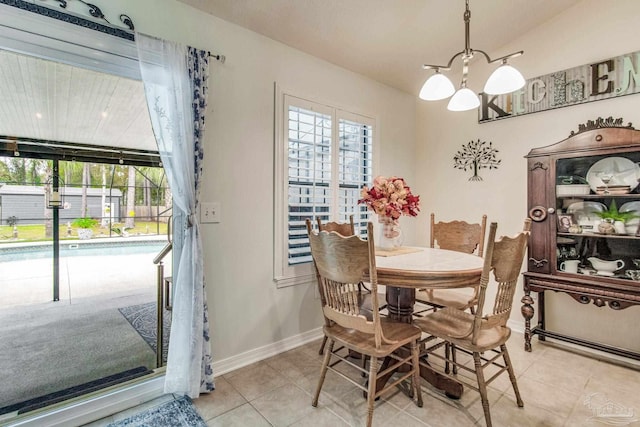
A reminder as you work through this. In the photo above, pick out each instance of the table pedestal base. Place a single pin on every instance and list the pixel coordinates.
(400, 303)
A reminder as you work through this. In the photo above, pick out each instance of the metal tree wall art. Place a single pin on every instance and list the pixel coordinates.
(474, 156)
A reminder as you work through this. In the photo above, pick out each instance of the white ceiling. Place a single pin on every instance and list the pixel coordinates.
(53, 101)
(386, 40)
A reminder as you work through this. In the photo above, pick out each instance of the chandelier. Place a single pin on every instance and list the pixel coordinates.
(504, 79)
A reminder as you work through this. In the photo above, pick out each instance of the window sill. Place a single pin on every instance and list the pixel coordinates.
(284, 282)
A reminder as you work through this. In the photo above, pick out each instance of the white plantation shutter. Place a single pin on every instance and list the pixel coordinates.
(309, 174)
(328, 160)
(355, 168)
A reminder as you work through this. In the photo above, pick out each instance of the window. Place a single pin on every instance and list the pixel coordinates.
(324, 155)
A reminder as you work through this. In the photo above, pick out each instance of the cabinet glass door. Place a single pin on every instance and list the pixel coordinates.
(598, 215)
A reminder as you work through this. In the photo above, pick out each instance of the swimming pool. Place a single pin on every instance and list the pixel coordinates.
(97, 247)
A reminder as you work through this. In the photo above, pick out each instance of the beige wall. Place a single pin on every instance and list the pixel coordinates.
(418, 140)
(247, 311)
(591, 31)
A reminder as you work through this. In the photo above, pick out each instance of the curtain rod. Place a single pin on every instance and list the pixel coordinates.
(218, 57)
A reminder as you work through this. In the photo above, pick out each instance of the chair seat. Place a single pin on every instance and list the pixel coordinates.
(399, 332)
(461, 299)
(456, 327)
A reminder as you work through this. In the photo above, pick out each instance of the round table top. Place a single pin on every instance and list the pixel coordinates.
(429, 268)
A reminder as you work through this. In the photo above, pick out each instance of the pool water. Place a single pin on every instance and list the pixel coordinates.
(73, 249)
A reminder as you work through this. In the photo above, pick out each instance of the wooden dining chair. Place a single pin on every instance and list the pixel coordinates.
(344, 228)
(457, 236)
(341, 263)
(482, 335)
(348, 229)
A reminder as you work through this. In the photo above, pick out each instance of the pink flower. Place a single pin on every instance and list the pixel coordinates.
(390, 197)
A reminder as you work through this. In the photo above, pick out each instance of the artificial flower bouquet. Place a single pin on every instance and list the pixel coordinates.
(390, 197)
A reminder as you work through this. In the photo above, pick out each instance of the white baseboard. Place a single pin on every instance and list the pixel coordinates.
(516, 325)
(224, 366)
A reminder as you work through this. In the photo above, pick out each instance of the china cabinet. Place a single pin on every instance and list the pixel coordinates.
(584, 201)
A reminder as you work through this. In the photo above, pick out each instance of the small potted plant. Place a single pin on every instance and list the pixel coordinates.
(85, 226)
(613, 220)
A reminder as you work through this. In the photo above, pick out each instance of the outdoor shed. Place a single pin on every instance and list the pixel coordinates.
(27, 204)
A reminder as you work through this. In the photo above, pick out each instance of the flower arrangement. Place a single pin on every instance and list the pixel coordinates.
(390, 197)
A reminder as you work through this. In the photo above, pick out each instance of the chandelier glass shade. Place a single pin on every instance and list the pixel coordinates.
(504, 79)
(437, 87)
(464, 99)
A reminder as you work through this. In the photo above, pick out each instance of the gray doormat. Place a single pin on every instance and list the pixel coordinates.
(177, 413)
(143, 318)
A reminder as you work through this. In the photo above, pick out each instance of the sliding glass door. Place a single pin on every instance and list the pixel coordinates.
(78, 312)
(84, 210)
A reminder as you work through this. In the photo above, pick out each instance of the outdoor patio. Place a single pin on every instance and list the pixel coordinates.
(51, 346)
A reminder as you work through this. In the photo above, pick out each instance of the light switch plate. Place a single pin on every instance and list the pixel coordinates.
(210, 212)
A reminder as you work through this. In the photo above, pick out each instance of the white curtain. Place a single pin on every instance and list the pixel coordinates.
(175, 83)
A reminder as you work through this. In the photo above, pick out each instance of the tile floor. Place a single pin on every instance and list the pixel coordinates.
(553, 382)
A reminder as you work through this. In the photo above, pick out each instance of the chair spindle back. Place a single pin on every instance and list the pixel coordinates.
(504, 258)
(341, 263)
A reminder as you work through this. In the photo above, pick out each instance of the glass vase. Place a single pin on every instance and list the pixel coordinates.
(389, 234)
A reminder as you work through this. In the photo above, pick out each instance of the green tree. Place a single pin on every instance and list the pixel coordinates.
(85, 186)
(18, 171)
(151, 193)
(131, 198)
(48, 220)
(5, 173)
(37, 171)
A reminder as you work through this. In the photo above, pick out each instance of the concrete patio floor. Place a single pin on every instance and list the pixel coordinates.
(49, 346)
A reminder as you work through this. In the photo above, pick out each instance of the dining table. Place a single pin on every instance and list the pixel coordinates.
(406, 269)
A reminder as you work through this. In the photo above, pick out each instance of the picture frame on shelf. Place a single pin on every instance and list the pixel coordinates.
(565, 220)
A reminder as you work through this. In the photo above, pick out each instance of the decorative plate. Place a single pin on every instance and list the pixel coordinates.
(605, 273)
(618, 171)
(613, 189)
(631, 226)
(630, 207)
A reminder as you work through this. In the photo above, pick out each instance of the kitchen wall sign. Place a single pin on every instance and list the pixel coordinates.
(604, 79)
